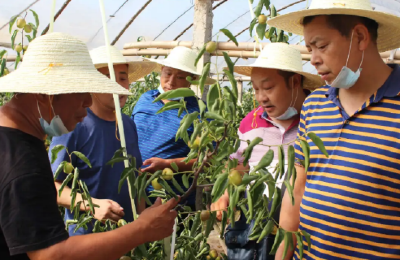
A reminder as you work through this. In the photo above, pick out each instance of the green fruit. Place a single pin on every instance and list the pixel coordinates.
(211, 47)
(121, 222)
(213, 253)
(262, 19)
(167, 174)
(235, 178)
(155, 184)
(125, 258)
(208, 257)
(25, 47)
(68, 168)
(6, 72)
(28, 28)
(205, 215)
(21, 23)
(218, 258)
(18, 48)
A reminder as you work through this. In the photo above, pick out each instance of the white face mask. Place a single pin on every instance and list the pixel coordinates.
(291, 111)
(347, 78)
(56, 126)
(161, 90)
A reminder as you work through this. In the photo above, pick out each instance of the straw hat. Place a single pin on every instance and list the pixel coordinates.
(58, 63)
(389, 25)
(136, 69)
(181, 58)
(281, 56)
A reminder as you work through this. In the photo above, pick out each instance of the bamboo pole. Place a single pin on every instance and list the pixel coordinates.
(57, 15)
(130, 22)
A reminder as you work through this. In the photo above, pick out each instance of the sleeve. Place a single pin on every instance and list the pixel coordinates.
(29, 217)
(239, 153)
(300, 135)
(69, 141)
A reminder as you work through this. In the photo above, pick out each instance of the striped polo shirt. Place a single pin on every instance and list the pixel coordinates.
(351, 204)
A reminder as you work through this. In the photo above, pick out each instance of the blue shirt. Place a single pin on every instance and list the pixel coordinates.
(95, 138)
(351, 203)
(157, 131)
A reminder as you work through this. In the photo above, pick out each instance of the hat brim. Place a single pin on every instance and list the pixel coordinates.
(63, 81)
(311, 81)
(136, 69)
(166, 63)
(388, 31)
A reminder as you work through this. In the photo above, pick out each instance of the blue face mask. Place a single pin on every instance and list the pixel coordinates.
(291, 111)
(161, 90)
(56, 126)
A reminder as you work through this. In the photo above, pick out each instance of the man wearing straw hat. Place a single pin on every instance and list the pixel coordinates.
(97, 138)
(348, 203)
(280, 86)
(157, 131)
(54, 86)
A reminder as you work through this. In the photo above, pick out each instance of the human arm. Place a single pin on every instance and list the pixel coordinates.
(155, 223)
(160, 164)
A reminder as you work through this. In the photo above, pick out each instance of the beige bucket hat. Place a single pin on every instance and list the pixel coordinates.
(181, 58)
(281, 56)
(389, 24)
(58, 63)
(136, 69)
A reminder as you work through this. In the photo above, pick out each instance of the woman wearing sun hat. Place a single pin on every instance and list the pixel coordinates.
(280, 87)
(348, 202)
(54, 86)
(157, 131)
(96, 137)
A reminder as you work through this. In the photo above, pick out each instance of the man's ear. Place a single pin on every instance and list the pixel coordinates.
(297, 78)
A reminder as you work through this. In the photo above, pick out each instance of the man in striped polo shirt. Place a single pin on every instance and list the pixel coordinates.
(350, 202)
(280, 87)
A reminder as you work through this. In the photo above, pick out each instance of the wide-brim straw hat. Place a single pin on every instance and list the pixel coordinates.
(181, 58)
(136, 69)
(389, 24)
(281, 56)
(58, 63)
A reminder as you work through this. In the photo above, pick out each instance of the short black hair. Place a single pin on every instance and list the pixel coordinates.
(345, 24)
(287, 75)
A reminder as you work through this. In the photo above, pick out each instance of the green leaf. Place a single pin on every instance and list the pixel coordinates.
(276, 201)
(281, 157)
(290, 190)
(177, 186)
(212, 96)
(259, 7)
(82, 157)
(247, 152)
(267, 4)
(204, 76)
(291, 159)
(300, 244)
(280, 234)
(181, 92)
(215, 116)
(54, 152)
(3, 66)
(280, 37)
(116, 160)
(219, 186)
(288, 240)
(167, 188)
(36, 18)
(201, 53)
(185, 180)
(273, 11)
(174, 166)
(60, 168)
(248, 178)
(230, 36)
(65, 182)
(142, 185)
(265, 160)
(210, 223)
(318, 142)
(252, 24)
(76, 176)
(12, 21)
(267, 230)
(169, 106)
(34, 32)
(234, 85)
(306, 151)
(202, 106)
(17, 60)
(224, 221)
(2, 52)
(13, 38)
(229, 62)
(308, 239)
(271, 32)
(261, 30)
(125, 173)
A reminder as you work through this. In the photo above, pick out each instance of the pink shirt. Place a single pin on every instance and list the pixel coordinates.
(271, 133)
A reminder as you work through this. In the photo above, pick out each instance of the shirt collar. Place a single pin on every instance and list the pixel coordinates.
(391, 87)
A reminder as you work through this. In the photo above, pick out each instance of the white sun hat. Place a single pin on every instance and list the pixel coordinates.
(181, 58)
(58, 63)
(389, 24)
(281, 56)
(136, 69)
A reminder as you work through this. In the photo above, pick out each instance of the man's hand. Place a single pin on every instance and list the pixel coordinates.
(220, 205)
(156, 164)
(108, 210)
(159, 219)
